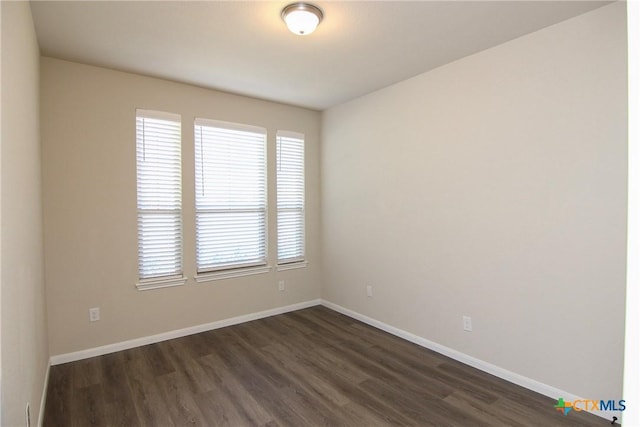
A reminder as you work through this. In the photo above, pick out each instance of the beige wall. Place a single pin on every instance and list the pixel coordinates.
(493, 187)
(89, 193)
(25, 353)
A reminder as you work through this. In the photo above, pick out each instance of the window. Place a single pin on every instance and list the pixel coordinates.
(158, 148)
(290, 195)
(231, 196)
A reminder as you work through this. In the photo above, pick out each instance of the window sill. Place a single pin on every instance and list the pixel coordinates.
(160, 283)
(227, 274)
(292, 266)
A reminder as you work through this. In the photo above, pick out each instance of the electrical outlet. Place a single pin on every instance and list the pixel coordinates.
(466, 323)
(94, 314)
(369, 291)
(281, 285)
(27, 416)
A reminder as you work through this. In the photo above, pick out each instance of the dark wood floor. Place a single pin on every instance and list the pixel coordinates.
(312, 367)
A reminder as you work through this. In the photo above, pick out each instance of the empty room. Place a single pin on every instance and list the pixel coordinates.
(336, 213)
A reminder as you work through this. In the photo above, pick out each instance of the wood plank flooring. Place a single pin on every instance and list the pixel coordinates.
(312, 367)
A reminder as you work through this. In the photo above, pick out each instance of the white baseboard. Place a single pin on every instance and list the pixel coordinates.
(43, 399)
(497, 371)
(125, 345)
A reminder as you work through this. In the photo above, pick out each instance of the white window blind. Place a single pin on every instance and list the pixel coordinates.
(159, 184)
(290, 195)
(231, 195)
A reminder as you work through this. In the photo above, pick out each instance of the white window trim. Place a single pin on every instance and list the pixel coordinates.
(145, 285)
(233, 272)
(290, 134)
(160, 115)
(293, 265)
(199, 121)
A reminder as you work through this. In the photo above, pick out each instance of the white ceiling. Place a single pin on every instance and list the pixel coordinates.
(245, 48)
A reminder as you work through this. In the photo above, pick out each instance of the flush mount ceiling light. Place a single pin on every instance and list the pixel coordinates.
(302, 18)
